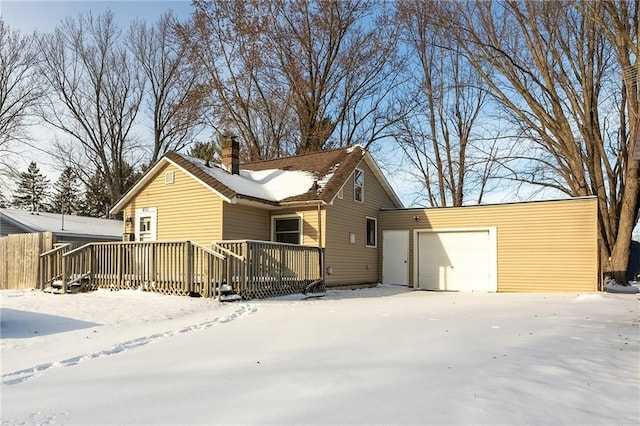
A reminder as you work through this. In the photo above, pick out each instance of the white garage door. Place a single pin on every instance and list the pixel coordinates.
(456, 261)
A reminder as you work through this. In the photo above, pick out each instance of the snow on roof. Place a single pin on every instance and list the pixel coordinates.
(73, 225)
(271, 184)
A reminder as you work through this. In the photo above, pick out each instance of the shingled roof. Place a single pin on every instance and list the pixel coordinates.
(330, 169)
(315, 177)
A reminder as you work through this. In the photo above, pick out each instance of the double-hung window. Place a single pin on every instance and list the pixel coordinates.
(372, 232)
(358, 185)
(287, 229)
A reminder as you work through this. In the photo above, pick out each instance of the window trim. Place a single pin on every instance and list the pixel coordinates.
(366, 231)
(355, 186)
(298, 216)
(340, 193)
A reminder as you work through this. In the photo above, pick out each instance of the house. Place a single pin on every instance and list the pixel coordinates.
(329, 199)
(65, 228)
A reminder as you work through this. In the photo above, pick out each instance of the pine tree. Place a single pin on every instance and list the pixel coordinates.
(66, 198)
(95, 201)
(207, 151)
(33, 190)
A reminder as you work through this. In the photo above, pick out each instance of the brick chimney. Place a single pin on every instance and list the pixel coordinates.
(230, 152)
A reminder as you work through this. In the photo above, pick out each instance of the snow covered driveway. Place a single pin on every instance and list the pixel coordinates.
(373, 356)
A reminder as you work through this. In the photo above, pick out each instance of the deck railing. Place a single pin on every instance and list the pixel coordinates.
(51, 265)
(169, 267)
(252, 269)
(266, 269)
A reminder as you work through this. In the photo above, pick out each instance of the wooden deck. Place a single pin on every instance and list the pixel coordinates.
(251, 269)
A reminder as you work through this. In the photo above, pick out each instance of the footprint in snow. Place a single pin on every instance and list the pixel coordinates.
(27, 373)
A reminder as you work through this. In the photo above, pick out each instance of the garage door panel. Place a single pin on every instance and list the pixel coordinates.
(455, 261)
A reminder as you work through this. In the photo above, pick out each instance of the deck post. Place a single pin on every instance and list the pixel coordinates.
(64, 275)
(42, 269)
(245, 255)
(188, 266)
(152, 263)
(119, 265)
(91, 264)
(321, 264)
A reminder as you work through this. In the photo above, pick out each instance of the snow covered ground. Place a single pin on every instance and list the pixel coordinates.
(374, 356)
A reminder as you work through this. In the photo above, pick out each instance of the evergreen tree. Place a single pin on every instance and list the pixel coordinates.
(66, 198)
(33, 190)
(95, 202)
(3, 201)
(207, 151)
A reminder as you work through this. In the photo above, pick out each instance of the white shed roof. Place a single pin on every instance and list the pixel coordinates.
(74, 226)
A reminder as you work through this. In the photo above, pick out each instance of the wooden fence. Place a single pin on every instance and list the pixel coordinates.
(19, 259)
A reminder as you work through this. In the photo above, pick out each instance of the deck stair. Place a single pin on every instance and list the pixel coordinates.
(76, 285)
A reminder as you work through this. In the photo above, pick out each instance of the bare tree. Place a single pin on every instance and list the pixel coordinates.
(337, 58)
(18, 94)
(440, 133)
(297, 76)
(554, 69)
(224, 38)
(95, 92)
(619, 22)
(174, 87)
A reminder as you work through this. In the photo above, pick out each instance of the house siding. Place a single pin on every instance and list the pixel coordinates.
(541, 246)
(354, 264)
(186, 209)
(241, 222)
(312, 228)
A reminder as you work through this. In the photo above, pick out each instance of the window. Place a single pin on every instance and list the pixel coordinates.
(372, 231)
(145, 228)
(286, 229)
(358, 185)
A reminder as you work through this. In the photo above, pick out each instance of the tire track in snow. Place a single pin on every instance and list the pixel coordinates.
(20, 376)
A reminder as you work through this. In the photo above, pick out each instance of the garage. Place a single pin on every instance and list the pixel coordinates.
(456, 260)
(530, 246)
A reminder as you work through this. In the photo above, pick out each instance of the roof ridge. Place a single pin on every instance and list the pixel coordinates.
(325, 151)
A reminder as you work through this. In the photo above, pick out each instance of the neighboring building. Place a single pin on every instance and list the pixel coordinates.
(65, 228)
(329, 199)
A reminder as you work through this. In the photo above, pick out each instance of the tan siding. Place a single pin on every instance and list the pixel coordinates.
(354, 263)
(186, 209)
(242, 222)
(541, 246)
(310, 227)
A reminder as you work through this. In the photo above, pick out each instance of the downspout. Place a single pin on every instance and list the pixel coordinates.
(319, 226)
(320, 243)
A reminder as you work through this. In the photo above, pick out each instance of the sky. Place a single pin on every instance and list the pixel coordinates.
(386, 355)
(44, 15)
